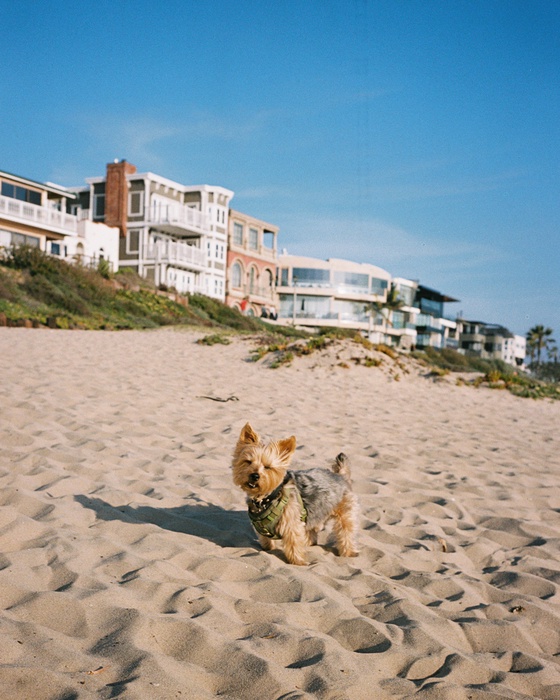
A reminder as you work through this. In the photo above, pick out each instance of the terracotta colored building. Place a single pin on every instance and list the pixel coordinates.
(251, 265)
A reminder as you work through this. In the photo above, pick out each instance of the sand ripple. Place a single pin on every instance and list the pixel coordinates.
(128, 567)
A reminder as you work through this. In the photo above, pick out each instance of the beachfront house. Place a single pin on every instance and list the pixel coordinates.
(433, 328)
(45, 215)
(402, 320)
(251, 266)
(491, 341)
(173, 234)
(332, 293)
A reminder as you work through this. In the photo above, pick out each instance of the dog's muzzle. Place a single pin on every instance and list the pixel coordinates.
(253, 480)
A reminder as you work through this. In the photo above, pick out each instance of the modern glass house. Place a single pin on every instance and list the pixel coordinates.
(432, 327)
(330, 293)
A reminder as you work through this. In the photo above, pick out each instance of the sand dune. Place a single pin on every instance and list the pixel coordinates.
(128, 567)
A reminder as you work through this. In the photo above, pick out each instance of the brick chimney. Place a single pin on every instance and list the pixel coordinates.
(116, 194)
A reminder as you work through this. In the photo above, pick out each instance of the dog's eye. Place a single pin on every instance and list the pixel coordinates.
(266, 466)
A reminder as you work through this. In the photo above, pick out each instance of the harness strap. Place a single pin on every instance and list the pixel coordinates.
(266, 519)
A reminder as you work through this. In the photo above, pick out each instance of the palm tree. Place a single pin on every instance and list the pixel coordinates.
(538, 338)
(393, 302)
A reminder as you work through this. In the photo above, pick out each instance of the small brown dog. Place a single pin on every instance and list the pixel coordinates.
(293, 505)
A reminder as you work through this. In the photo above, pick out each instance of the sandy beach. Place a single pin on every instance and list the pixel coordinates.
(129, 569)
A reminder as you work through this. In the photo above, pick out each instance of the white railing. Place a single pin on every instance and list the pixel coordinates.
(40, 216)
(176, 215)
(174, 253)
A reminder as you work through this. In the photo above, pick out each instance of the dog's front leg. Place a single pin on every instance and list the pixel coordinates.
(266, 543)
(292, 530)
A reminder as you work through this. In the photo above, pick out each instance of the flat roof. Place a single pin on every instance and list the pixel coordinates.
(434, 295)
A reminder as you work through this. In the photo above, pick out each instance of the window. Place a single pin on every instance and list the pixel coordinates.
(133, 241)
(98, 206)
(236, 273)
(378, 286)
(398, 319)
(432, 306)
(306, 306)
(253, 239)
(55, 248)
(351, 282)
(22, 239)
(252, 280)
(310, 277)
(237, 233)
(350, 311)
(21, 193)
(135, 203)
(406, 293)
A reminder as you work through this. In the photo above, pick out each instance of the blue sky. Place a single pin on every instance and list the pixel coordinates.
(420, 136)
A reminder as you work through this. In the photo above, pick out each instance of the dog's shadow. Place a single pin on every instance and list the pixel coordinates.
(226, 528)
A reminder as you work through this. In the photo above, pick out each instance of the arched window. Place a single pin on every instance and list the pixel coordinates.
(236, 275)
(269, 278)
(252, 280)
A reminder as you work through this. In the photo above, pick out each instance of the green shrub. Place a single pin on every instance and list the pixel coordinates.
(214, 339)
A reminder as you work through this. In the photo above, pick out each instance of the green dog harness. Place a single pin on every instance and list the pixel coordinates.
(266, 514)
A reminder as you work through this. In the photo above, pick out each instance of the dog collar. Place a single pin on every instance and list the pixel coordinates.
(266, 513)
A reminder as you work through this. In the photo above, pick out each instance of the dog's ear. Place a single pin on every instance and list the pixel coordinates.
(248, 435)
(287, 447)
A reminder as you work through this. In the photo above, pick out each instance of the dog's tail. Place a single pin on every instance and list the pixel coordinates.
(342, 466)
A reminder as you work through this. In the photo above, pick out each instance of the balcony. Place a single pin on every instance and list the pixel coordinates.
(175, 253)
(40, 217)
(176, 219)
(256, 292)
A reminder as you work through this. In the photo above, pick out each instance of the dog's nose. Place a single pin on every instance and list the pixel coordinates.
(254, 477)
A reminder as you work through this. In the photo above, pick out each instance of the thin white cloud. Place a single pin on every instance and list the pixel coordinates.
(387, 245)
(142, 138)
(437, 188)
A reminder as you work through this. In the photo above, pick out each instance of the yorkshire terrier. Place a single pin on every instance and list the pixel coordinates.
(293, 506)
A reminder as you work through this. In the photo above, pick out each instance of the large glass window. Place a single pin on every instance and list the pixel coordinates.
(310, 277)
(306, 306)
(22, 193)
(432, 307)
(378, 286)
(351, 310)
(429, 321)
(351, 282)
(398, 320)
(20, 239)
(406, 293)
(237, 233)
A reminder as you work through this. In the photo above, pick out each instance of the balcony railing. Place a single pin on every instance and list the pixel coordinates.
(176, 218)
(175, 253)
(256, 291)
(42, 217)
